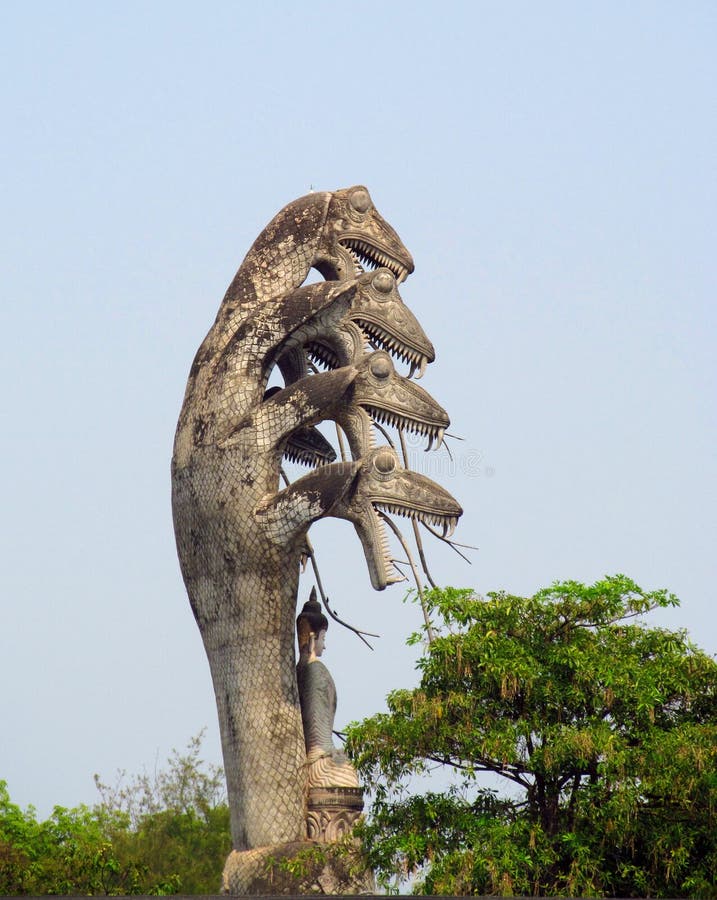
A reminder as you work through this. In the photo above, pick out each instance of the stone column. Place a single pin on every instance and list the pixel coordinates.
(333, 812)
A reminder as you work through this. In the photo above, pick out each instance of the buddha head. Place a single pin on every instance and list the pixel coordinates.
(311, 626)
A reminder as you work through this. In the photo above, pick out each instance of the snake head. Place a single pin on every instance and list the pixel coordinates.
(379, 393)
(383, 316)
(382, 485)
(355, 237)
(354, 396)
(378, 313)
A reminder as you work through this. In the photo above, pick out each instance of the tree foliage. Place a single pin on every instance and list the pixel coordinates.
(603, 731)
(158, 834)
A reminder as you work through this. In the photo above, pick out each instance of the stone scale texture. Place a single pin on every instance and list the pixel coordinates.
(240, 536)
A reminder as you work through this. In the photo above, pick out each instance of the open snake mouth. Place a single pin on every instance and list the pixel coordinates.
(389, 342)
(398, 420)
(322, 354)
(308, 447)
(367, 257)
(447, 523)
(384, 489)
(303, 457)
(325, 357)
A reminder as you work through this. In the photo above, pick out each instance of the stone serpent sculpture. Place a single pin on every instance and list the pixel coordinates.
(240, 538)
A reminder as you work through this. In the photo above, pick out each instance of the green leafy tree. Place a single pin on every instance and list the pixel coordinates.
(603, 731)
(160, 834)
(70, 852)
(175, 821)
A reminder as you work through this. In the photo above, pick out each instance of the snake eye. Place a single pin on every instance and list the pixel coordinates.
(384, 281)
(360, 200)
(385, 461)
(380, 365)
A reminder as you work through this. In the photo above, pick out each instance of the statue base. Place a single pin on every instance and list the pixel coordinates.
(326, 863)
(299, 867)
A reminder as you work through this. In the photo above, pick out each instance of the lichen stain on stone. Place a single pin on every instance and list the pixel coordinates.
(240, 538)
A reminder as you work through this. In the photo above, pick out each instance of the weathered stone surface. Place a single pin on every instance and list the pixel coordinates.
(333, 812)
(301, 867)
(239, 537)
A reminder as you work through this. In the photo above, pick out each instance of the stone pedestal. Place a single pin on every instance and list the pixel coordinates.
(301, 867)
(332, 812)
(319, 865)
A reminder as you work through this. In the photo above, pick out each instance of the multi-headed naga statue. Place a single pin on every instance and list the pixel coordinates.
(240, 538)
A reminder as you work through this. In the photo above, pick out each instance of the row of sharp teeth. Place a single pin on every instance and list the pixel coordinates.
(321, 354)
(385, 546)
(305, 457)
(447, 523)
(373, 257)
(299, 456)
(386, 417)
(396, 349)
(361, 261)
(449, 526)
(390, 343)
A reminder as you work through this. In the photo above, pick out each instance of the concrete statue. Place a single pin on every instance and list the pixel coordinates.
(240, 536)
(326, 765)
(335, 799)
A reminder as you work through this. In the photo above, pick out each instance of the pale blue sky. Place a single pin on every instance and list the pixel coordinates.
(552, 169)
